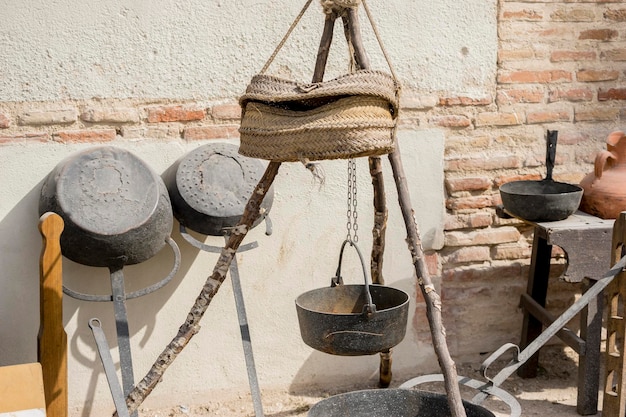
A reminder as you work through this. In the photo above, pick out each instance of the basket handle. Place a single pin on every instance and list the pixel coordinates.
(369, 308)
(299, 17)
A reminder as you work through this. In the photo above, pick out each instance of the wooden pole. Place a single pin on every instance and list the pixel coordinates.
(52, 339)
(433, 301)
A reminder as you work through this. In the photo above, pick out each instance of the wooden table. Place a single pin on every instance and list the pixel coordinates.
(586, 241)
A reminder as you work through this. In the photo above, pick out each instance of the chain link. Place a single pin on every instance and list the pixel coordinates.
(352, 225)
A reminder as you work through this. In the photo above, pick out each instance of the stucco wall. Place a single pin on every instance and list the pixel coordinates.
(56, 56)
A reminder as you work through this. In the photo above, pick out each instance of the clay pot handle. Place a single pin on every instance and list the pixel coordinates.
(600, 162)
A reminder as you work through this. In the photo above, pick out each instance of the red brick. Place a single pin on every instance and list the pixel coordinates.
(534, 76)
(83, 136)
(597, 75)
(595, 114)
(515, 54)
(524, 14)
(5, 122)
(465, 101)
(468, 184)
(573, 15)
(498, 119)
(572, 94)
(470, 203)
(30, 137)
(598, 34)
(468, 221)
(211, 132)
(509, 178)
(111, 115)
(614, 55)
(226, 112)
(513, 96)
(561, 56)
(547, 117)
(174, 114)
(612, 94)
(451, 121)
(510, 251)
(483, 273)
(483, 163)
(433, 264)
(469, 254)
(615, 15)
(48, 117)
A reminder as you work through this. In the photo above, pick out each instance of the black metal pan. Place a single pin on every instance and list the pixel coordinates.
(544, 200)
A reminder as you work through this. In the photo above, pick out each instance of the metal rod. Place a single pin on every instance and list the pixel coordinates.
(109, 368)
(121, 326)
(553, 329)
(255, 390)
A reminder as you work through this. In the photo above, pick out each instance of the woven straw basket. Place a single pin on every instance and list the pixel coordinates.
(350, 116)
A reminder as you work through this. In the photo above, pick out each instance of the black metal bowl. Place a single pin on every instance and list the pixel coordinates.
(396, 402)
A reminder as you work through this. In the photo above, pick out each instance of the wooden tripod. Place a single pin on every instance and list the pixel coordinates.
(251, 213)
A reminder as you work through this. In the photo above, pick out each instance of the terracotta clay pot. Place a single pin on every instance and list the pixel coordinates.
(605, 188)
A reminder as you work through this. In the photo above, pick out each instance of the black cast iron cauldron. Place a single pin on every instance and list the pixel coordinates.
(391, 402)
(116, 209)
(352, 320)
(210, 187)
(545, 200)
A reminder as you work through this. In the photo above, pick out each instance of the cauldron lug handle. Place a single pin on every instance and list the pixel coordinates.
(369, 310)
(335, 281)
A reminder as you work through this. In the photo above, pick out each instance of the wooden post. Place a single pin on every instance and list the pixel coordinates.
(614, 401)
(52, 339)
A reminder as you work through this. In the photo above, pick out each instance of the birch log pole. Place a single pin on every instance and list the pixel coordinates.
(191, 326)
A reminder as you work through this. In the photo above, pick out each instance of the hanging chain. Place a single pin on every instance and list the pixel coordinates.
(352, 226)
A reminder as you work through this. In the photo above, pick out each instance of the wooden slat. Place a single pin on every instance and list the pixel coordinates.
(21, 388)
(614, 402)
(52, 340)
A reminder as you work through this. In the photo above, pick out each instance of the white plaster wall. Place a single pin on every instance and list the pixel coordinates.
(301, 254)
(206, 49)
(192, 49)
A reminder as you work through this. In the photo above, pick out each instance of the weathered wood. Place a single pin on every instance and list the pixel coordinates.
(380, 220)
(614, 402)
(324, 48)
(52, 339)
(213, 283)
(432, 298)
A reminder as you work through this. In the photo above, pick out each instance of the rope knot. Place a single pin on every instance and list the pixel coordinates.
(338, 6)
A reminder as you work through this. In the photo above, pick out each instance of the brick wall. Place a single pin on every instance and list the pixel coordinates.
(561, 65)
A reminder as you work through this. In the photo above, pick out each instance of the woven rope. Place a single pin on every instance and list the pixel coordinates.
(338, 6)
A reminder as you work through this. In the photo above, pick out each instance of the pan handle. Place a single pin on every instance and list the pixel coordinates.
(508, 399)
(369, 308)
(551, 152)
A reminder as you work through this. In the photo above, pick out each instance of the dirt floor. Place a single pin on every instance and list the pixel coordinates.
(552, 393)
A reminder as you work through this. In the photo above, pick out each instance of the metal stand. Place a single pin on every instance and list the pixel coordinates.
(119, 297)
(255, 390)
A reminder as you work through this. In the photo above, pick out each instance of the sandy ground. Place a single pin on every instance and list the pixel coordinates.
(552, 393)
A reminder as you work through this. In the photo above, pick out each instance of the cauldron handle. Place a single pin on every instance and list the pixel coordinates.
(138, 293)
(508, 399)
(369, 308)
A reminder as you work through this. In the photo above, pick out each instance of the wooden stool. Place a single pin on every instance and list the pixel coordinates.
(587, 242)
